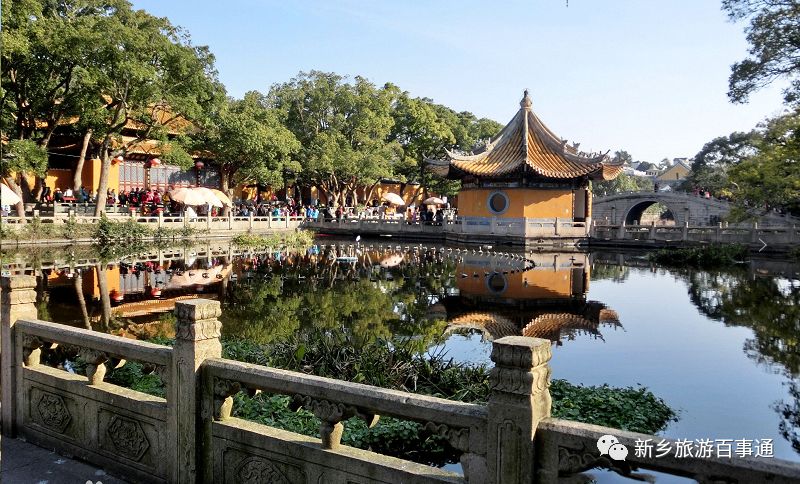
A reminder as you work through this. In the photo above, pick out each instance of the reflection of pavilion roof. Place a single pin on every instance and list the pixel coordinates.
(555, 324)
(527, 144)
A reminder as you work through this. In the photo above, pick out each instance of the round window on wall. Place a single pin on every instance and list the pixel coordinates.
(498, 202)
(496, 283)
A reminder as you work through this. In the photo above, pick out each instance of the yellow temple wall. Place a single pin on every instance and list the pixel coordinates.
(523, 202)
(542, 284)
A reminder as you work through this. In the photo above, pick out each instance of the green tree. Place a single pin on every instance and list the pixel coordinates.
(770, 178)
(621, 184)
(249, 142)
(343, 129)
(773, 34)
(22, 156)
(711, 164)
(422, 134)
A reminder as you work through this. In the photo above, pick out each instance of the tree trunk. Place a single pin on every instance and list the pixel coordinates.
(105, 296)
(77, 179)
(77, 283)
(103, 186)
(224, 182)
(12, 184)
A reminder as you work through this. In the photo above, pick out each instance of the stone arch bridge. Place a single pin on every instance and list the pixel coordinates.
(628, 208)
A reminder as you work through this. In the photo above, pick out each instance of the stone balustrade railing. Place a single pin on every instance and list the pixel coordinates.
(190, 436)
(720, 233)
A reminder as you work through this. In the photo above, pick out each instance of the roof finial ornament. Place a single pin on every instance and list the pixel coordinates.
(526, 102)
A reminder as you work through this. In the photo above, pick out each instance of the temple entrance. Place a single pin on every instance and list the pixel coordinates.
(649, 212)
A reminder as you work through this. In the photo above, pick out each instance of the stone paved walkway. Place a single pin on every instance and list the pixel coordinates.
(24, 463)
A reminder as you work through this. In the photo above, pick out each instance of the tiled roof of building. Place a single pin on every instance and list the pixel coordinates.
(526, 143)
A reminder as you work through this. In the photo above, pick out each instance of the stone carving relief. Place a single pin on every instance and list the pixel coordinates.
(53, 412)
(128, 437)
(457, 437)
(257, 470)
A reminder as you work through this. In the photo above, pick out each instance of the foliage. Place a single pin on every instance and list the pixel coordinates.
(299, 239)
(109, 232)
(774, 51)
(706, 256)
(393, 366)
(250, 142)
(343, 129)
(770, 178)
(132, 375)
(621, 184)
(634, 409)
(23, 156)
(712, 162)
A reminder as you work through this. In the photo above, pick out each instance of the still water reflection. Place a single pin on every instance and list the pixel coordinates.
(720, 347)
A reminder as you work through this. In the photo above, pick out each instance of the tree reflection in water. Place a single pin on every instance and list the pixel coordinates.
(280, 294)
(771, 308)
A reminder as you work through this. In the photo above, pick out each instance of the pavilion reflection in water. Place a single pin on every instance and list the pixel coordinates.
(542, 297)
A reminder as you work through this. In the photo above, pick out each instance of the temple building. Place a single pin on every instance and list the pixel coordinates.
(526, 185)
(542, 296)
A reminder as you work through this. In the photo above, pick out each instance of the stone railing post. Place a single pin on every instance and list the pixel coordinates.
(18, 301)
(160, 219)
(754, 233)
(197, 334)
(520, 399)
(555, 231)
(250, 222)
(230, 218)
(208, 220)
(685, 231)
(621, 231)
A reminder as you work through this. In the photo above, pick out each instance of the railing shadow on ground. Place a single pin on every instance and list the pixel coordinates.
(190, 436)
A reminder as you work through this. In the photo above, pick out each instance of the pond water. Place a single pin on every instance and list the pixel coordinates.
(720, 347)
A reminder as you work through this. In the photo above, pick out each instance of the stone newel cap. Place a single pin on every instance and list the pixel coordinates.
(18, 282)
(521, 351)
(197, 309)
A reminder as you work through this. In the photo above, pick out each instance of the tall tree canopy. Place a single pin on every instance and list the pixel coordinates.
(249, 142)
(343, 128)
(711, 164)
(770, 178)
(774, 37)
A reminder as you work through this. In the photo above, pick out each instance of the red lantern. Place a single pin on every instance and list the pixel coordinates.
(155, 162)
(199, 165)
(117, 159)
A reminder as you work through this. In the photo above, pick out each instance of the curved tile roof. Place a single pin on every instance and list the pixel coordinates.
(525, 143)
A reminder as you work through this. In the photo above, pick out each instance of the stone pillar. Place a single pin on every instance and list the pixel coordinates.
(652, 235)
(520, 399)
(197, 334)
(18, 301)
(621, 231)
(160, 219)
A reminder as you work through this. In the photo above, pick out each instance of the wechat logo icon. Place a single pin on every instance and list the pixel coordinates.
(610, 446)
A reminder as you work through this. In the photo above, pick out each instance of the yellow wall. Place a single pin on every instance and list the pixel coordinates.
(90, 178)
(676, 172)
(523, 202)
(542, 284)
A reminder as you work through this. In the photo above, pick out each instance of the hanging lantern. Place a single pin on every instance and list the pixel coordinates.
(117, 159)
(199, 165)
(155, 162)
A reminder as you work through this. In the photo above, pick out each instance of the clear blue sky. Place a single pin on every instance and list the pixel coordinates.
(646, 76)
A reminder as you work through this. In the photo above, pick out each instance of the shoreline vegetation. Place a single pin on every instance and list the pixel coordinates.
(390, 364)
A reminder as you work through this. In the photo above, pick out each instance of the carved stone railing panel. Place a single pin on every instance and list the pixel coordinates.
(334, 401)
(565, 449)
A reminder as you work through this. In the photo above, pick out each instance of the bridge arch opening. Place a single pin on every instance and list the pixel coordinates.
(649, 211)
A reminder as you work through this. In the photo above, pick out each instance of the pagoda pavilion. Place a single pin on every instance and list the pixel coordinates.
(526, 185)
